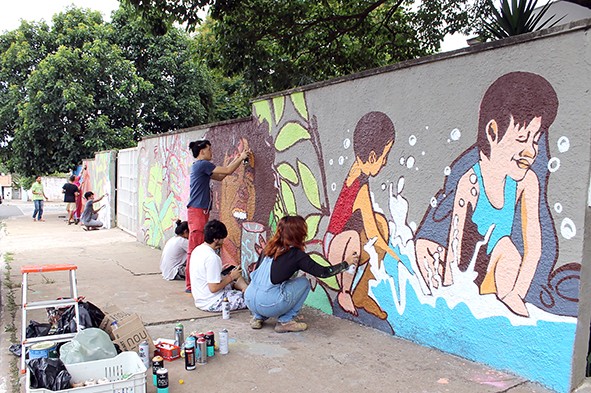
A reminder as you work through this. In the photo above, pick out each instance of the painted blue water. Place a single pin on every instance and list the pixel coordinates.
(541, 352)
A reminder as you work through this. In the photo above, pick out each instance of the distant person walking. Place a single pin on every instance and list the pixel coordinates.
(38, 197)
(202, 171)
(71, 192)
(90, 215)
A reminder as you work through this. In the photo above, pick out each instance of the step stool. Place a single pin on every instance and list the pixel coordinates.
(71, 301)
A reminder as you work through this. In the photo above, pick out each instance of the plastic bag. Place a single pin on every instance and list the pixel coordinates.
(49, 374)
(90, 316)
(36, 329)
(88, 344)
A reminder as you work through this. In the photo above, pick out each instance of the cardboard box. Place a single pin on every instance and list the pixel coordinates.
(130, 331)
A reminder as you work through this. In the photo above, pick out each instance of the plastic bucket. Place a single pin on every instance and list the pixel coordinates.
(41, 350)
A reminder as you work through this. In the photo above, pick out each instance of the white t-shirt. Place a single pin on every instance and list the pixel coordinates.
(205, 267)
(174, 255)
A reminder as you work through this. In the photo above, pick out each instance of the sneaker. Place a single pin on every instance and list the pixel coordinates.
(291, 326)
(188, 290)
(256, 323)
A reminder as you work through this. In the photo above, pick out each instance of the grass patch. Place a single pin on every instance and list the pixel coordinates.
(10, 326)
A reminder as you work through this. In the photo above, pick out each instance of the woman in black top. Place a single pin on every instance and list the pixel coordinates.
(272, 292)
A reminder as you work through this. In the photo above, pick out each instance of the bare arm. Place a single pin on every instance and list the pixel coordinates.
(227, 279)
(220, 172)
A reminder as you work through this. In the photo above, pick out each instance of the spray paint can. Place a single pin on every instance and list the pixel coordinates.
(225, 309)
(202, 345)
(144, 352)
(162, 380)
(210, 339)
(157, 364)
(223, 337)
(179, 334)
(189, 355)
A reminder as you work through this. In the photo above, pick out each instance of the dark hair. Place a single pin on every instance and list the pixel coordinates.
(181, 227)
(372, 133)
(88, 194)
(73, 178)
(197, 146)
(291, 232)
(522, 95)
(213, 230)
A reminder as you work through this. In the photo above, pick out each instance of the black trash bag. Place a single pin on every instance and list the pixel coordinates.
(36, 329)
(16, 349)
(90, 316)
(49, 374)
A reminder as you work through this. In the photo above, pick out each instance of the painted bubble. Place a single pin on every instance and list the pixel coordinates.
(449, 140)
(341, 160)
(473, 191)
(455, 134)
(422, 153)
(412, 140)
(383, 186)
(330, 162)
(402, 160)
(410, 162)
(400, 185)
(558, 207)
(563, 144)
(347, 143)
(473, 178)
(333, 186)
(446, 171)
(417, 168)
(553, 164)
(568, 230)
(426, 127)
(461, 202)
(433, 202)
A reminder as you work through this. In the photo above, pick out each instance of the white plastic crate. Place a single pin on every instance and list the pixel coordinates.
(126, 364)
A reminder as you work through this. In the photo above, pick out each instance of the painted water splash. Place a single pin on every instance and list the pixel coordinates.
(480, 327)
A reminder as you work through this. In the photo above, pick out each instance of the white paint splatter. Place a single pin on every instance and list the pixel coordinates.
(563, 144)
(412, 140)
(402, 160)
(558, 207)
(347, 143)
(455, 134)
(433, 202)
(553, 164)
(333, 186)
(410, 162)
(341, 160)
(330, 162)
(446, 171)
(422, 153)
(383, 186)
(568, 229)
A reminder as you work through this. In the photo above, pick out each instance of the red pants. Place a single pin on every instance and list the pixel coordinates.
(197, 219)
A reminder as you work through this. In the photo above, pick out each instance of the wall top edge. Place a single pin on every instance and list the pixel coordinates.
(197, 128)
(567, 28)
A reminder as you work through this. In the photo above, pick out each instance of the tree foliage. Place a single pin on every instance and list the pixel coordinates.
(84, 85)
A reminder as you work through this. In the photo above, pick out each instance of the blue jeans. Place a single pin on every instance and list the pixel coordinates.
(38, 209)
(285, 303)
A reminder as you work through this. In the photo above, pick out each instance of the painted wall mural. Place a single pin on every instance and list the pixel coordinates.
(467, 242)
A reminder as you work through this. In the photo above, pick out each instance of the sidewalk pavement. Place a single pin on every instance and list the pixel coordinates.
(333, 355)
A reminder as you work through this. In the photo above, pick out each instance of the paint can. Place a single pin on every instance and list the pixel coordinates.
(179, 334)
(223, 337)
(225, 309)
(162, 380)
(157, 364)
(42, 349)
(202, 351)
(210, 339)
(144, 352)
(189, 355)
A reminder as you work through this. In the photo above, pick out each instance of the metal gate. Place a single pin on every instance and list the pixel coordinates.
(127, 190)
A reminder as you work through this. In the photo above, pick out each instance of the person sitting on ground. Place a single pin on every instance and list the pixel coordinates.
(209, 286)
(89, 216)
(272, 291)
(174, 254)
(71, 192)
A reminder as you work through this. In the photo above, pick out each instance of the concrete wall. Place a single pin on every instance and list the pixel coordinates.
(470, 227)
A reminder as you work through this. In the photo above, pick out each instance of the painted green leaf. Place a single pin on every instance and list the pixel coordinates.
(288, 173)
(331, 282)
(299, 101)
(263, 111)
(312, 221)
(310, 184)
(289, 135)
(279, 106)
(288, 198)
(318, 298)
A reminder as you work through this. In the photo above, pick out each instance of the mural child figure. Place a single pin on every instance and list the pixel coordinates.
(199, 206)
(353, 221)
(492, 214)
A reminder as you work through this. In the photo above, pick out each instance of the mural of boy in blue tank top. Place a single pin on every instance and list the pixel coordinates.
(492, 214)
